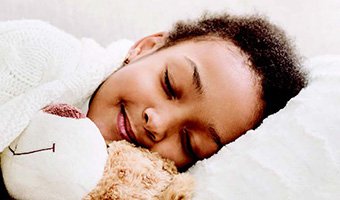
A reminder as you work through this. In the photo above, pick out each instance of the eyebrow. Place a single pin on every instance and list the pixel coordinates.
(196, 79)
(215, 136)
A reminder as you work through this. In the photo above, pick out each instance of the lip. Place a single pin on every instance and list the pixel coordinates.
(124, 127)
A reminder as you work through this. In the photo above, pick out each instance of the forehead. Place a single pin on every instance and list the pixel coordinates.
(231, 97)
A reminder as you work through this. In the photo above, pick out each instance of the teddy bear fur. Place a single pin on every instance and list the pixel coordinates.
(136, 173)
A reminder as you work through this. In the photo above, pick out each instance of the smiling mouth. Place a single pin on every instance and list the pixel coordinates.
(124, 127)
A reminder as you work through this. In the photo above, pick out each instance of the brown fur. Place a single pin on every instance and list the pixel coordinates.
(136, 173)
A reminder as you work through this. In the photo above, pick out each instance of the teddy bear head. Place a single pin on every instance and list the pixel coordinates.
(62, 155)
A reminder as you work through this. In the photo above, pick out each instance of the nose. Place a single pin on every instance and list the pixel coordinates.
(157, 124)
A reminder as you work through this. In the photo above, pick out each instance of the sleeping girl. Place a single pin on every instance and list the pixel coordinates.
(187, 92)
(183, 93)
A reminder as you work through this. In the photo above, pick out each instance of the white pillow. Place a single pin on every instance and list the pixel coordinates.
(294, 154)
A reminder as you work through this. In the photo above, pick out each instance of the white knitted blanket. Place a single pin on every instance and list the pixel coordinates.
(40, 64)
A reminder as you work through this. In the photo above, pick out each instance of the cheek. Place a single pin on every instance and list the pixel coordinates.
(136, 86)
(121, 84)
(209, 145)
(171, 149)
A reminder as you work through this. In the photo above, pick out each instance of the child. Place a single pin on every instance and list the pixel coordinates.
(198, 87)
(187, 92)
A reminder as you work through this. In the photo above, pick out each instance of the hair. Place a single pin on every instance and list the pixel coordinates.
(270, 53)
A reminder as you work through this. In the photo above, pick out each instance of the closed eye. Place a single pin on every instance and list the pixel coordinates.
(187, 146)
(168, 88)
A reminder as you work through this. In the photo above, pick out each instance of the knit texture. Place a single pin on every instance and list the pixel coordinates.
(40, 65)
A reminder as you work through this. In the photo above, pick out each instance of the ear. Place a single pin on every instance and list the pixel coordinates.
(147, 45)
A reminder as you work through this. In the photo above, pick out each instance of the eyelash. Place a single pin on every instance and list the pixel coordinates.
(187, 144)
(169, 90)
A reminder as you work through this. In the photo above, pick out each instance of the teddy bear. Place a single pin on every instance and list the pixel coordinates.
(62, 155)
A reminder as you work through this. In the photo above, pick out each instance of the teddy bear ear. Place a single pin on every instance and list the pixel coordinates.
(64, 110)
(180, 188)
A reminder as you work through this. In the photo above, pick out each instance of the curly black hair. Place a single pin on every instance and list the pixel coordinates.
(271, 54)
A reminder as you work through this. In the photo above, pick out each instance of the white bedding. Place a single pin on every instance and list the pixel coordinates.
(294, 154)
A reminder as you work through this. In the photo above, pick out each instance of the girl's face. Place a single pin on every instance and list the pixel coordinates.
(183, 102)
